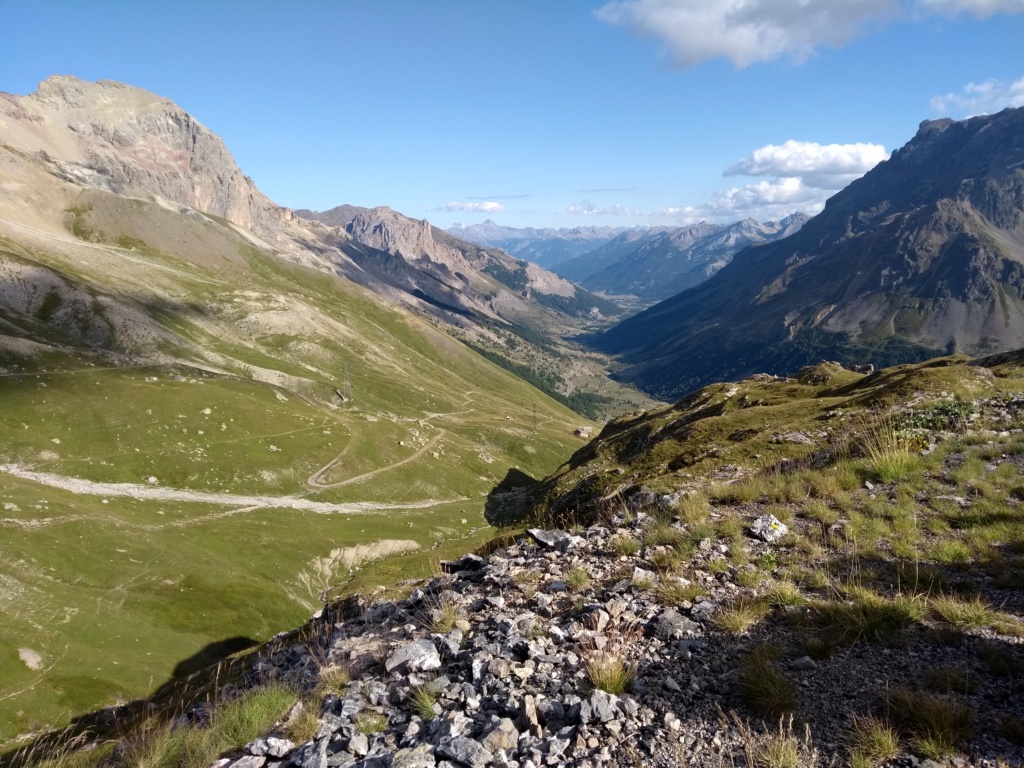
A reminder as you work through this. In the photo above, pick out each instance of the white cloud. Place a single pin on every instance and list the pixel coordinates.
(803, 174)
(981, 9)
(486, 207)
(981, 98)
(823, 166)
(589, 208)
(761, 200)
(745, 31)
(749, 31)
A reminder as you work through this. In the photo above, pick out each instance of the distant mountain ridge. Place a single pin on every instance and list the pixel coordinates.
(921, 256)
(649, 263)
(672, 261)
(545, 246)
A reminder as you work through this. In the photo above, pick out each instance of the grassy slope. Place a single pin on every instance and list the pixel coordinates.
(113, 592)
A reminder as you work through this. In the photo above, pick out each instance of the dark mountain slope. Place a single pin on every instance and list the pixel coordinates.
(923, 255)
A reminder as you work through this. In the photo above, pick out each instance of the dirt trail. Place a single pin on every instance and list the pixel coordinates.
(314, 479)
(130, 490)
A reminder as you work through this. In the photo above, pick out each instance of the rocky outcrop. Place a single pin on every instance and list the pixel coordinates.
(132, 142)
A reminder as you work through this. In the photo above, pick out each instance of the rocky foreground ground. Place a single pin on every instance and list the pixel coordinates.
(497, 660)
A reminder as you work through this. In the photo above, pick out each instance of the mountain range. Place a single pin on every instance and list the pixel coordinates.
(644, 264)
(544, 246)
(667, 262)
(923, 255)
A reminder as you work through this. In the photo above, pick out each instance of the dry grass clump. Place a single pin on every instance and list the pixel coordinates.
(665, 536)
(974, 612)
(783, 593)
(950, 680)
(870, 741)
(779, 749)
(624, 546)
(869, 616)
(608, 671)
(423, 698)
(444, 612)
(887, 451)
(762, 688)
(577, 579)
(740, 616)
(333, 679)
(606, 667)
(934, 723)
(674, 592)
(693, 509)
(371, 722)
(232, 724)
(1011, 729)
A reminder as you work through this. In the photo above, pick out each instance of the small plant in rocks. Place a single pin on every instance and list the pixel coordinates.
(444, 612)
(371, 722)
(779, 749)
(740, 616)
(422, 699)
(624, 546)
(607, 670)
(577, 579)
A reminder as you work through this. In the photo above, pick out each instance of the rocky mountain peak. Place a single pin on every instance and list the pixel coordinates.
(129, 141)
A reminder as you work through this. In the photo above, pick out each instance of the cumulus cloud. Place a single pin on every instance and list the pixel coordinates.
(822, 166)
(489, 206)
(802, 175)
(981, 98)
(746, 32)
(590, 208)
(761, 200)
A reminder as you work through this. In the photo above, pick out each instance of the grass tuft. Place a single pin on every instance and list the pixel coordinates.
(444, 612)
(871, 740)
(763, 689)
(870, 616)
(608, 671)
(740, 616)
(423, 698)
(934, 723)
(577, 579)
(624, 546)
(371, 722)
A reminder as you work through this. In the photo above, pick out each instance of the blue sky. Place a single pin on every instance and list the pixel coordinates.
(543, 112)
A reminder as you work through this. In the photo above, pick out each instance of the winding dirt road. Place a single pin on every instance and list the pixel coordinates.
(148, 492)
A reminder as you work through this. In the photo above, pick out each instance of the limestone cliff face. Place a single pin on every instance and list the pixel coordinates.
(411, 239)
(132, 142)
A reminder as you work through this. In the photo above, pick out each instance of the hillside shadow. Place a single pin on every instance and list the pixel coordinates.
(195, 679)
(507, 501)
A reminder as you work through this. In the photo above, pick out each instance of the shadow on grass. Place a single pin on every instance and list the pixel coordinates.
(507, 501)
